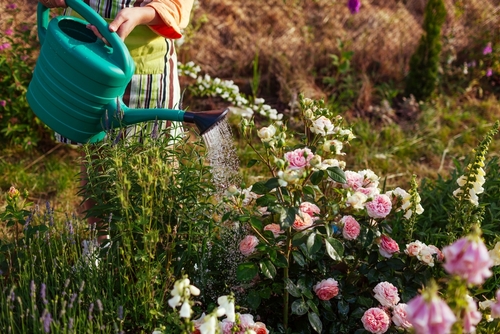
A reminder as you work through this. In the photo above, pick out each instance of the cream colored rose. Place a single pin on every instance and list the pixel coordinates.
(266, 134)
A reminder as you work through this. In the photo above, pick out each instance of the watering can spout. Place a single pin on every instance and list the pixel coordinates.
(205, 120)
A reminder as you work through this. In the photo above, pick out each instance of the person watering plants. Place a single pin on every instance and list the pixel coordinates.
(148, 29)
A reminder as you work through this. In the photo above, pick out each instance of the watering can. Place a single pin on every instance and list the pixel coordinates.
(78, 80)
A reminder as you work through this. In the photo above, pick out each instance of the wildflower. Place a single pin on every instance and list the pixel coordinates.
(429, 314)
(9, 32)
(379, 207)
(13, 193)
(386, 294)
(5, 46)
(11, 6)
(354, 6)
(399, 316)
(487, 49)
(299, 158)
(471, 316)
(43, 296)
(248, 244)
(387, 246)
(3, 103)
(47, 320)
(326, 289)
(351, 228)
(489, 72)
(376, 320)
(469, 259)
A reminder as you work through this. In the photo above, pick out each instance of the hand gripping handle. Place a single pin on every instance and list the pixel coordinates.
(120, 53)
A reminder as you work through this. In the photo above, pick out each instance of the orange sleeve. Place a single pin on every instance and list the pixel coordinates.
(175, 15)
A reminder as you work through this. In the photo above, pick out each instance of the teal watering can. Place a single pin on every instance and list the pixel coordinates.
(78, 80)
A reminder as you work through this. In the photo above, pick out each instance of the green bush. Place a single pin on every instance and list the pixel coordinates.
(18, 54)
(424, 63)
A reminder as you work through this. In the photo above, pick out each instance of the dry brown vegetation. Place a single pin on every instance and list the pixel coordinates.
(295, 38)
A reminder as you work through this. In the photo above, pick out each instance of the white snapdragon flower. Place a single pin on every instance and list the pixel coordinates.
(209, 324)
(227, 303)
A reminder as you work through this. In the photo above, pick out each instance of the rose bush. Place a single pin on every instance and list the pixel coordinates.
(331, 241)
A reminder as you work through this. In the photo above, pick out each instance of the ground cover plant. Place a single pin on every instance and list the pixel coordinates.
(340, 224)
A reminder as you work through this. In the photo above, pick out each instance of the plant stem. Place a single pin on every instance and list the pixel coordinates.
(285, 276)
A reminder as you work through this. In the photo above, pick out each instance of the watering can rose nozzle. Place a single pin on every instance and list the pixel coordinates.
(205, 120)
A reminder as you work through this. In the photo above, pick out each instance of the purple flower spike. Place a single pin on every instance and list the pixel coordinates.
(487, 49)
(354, 6)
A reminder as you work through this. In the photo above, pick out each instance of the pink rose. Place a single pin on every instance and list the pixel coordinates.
(275, 228)
(353, 180)
(260, 328)
(413, 248)
(379, 207)
(299, 158)
(471, 316)
(386, 294)
(495, 307)
(226, 326)
(246, 322)
(387, 246)
(439, 254)
(399, 316)
(311, 209)
(376, 320)
(351, 228)
(248, 244)
(430, 317)
(468, 259)
(326, 289)
(303, 222)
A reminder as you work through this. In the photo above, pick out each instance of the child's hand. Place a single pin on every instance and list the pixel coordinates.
(127, 19)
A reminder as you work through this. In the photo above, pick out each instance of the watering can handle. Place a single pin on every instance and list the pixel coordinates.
(120, 53)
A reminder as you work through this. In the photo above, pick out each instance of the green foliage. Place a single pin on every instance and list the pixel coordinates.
(157, 199)
(18, 123)
(340, 80)
(424, 63)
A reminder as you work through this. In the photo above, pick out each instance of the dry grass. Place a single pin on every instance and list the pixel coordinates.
(295, 38)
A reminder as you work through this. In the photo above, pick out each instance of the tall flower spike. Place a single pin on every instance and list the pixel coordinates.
(471, 183)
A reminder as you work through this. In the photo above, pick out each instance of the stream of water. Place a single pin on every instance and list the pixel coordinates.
(222, 155)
